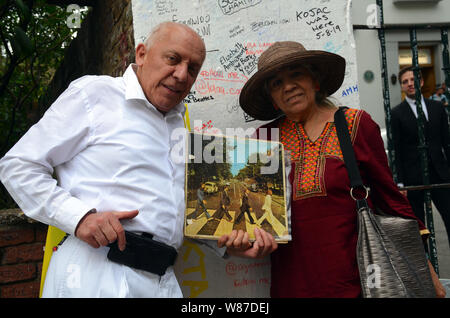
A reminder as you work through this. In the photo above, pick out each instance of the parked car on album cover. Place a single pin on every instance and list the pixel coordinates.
(211, 187)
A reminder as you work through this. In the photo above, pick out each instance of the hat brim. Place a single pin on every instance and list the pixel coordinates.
(256, 102)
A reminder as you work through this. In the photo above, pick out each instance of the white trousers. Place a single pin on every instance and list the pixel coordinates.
(79, 270)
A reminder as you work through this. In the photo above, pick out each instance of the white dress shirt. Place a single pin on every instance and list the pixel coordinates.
(110, 149)
(412, 104)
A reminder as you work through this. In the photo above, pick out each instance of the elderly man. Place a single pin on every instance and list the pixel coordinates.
(108, 142)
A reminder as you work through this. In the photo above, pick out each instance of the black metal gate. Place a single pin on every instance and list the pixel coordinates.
(427, 187)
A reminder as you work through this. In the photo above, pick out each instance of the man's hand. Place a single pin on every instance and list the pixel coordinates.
(238, 244)
(100, 229)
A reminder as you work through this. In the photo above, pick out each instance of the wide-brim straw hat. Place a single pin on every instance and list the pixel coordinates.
(255, 99)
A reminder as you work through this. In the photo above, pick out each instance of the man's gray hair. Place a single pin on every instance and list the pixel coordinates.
(154, 32)
(158, 28)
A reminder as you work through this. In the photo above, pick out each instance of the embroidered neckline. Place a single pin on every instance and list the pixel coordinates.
(301, 131)
(309, 179)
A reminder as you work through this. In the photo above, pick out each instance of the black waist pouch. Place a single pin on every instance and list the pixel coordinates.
(144, 253)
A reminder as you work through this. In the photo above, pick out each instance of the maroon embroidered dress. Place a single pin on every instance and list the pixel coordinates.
(320, 261)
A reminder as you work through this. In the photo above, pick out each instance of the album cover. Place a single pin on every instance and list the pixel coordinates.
(234, 183)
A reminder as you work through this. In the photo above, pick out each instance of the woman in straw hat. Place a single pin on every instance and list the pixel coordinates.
(291, 87)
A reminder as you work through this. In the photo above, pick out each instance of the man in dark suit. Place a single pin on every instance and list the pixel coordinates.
(224, 205)
(245, 208)
(406, 141)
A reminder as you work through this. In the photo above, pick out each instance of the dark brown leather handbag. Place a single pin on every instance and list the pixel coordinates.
(390, 252)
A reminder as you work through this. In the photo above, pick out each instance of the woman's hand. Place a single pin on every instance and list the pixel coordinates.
(440, 290)
(238, 244)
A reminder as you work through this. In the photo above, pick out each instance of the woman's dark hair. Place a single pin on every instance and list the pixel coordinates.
(322, 97)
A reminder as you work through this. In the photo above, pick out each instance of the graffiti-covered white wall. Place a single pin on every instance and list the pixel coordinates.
(236, 32)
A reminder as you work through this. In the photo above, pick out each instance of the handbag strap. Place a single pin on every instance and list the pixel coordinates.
(349, 155)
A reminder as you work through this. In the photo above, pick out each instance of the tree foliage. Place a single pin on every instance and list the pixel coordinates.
(218, 170)
(252, 170)
(33, 38)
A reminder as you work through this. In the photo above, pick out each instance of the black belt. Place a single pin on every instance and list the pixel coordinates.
(142, 252)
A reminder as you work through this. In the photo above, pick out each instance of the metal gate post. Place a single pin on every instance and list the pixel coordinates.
(421, 121)
(386, 94)
(446, 64)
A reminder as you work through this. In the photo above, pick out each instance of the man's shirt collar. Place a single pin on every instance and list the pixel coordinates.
(412, 104)
(133, 90)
